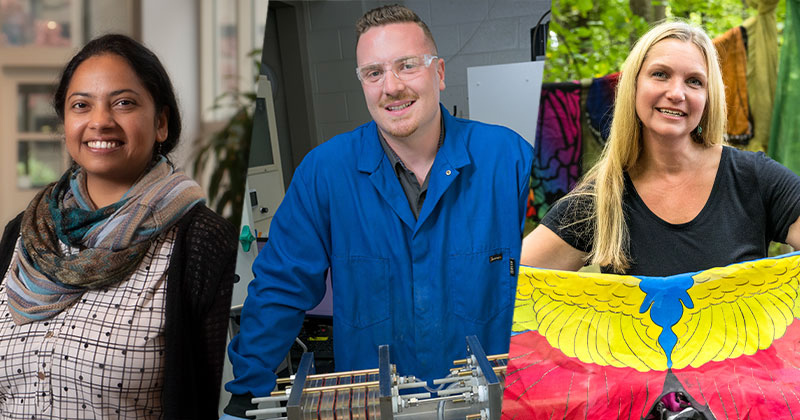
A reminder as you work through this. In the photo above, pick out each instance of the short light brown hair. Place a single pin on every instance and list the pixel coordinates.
(393, 13)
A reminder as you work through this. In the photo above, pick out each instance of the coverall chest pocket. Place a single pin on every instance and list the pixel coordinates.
(481, 284)
(360, 290)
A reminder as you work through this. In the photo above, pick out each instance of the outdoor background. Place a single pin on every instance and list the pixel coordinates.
(591, 38)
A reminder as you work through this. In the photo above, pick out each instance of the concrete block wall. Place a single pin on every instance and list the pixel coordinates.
(467, 32)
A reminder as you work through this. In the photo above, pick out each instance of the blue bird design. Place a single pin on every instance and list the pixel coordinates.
(657, 323)
(665, 298)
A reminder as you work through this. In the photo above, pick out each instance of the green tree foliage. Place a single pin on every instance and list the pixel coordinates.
(591, 38)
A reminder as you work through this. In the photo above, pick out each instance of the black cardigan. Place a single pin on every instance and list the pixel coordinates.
(199, 285)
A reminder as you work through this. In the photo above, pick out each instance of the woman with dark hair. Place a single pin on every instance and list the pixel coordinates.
(117, 279)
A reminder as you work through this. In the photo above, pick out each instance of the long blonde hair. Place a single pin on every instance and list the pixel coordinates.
(605, 182)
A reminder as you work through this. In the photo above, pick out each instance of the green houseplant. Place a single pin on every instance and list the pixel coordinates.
(229, 146)
(228, 149)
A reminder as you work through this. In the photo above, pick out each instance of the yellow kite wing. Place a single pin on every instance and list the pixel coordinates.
(738, 310)
(594, 317)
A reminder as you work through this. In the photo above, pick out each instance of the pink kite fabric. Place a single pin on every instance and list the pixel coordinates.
(605, 346)
(543, 383)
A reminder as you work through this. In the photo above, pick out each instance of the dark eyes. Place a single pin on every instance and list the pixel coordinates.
(122, 103)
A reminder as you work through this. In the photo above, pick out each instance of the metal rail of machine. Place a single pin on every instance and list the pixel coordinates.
(472, 391)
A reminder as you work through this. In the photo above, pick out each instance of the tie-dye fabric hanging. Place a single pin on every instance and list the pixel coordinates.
(732, 49)
(722, 342)
(557, 150)
(784, 137)
(600, 105)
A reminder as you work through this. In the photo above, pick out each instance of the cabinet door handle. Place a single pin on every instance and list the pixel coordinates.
(264, 210)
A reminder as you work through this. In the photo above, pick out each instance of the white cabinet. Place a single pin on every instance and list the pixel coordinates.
(264, 177)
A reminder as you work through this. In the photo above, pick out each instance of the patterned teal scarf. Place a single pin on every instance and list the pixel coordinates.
(111, 241)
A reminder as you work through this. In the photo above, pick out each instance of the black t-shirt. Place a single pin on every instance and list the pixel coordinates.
(754, 200)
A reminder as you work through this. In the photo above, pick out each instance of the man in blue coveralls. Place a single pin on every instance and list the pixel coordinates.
(418, 215)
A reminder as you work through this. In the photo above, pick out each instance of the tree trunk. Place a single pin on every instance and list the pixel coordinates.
(642, 8)
(659, 10)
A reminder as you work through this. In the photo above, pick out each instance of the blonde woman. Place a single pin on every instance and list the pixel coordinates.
(667, 195)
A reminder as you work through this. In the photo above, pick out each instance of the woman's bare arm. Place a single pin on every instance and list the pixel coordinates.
(544, 249)
(792, 237)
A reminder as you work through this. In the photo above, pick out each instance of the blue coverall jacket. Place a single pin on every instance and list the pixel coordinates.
(420, 286)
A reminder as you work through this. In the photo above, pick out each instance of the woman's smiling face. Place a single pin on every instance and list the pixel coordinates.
(110, 121)
(671, 90)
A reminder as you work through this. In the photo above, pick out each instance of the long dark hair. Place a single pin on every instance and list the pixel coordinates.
(146, 66)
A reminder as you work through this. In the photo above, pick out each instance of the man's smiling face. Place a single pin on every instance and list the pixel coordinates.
(401, 108)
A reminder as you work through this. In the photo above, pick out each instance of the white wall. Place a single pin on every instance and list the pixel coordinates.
(170, 29)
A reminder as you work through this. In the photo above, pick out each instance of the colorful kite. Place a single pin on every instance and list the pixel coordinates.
(723, 341)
